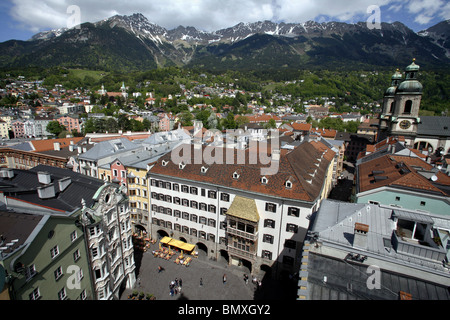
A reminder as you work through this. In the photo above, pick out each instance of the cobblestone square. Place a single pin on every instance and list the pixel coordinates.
(151, 281)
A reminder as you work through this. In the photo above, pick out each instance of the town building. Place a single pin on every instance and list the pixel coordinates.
(70, 122)
(372, 252)
(403, 182)
(109, 239)
(44, 257)
(400, 115)
(236, 212)
(26, 155)
(97, 211)
(4, 130)
(102, 153)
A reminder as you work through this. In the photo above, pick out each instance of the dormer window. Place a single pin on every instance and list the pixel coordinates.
(182, 165)
(164, 163)
(236, 175)
(288, 184)
(264, 180)
(204, 169)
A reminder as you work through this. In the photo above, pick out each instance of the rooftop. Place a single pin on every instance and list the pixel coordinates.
(401, 171)
(15, 229)
(24, 184)
(334, 226)
(305, 167)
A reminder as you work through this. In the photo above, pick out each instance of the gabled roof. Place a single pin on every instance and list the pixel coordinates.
(299, 165)
(24, 184)
(434, 126)
(17, 226)
(107, 148)
(399, 171)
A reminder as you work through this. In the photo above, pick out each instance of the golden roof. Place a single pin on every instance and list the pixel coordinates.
(244, 208)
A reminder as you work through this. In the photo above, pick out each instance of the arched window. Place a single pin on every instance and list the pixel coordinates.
(408, 107)
(392, 107)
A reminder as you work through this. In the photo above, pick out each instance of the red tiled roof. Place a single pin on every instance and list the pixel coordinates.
(397, 171)
(301, 126)
(296, 166)
(46, 145)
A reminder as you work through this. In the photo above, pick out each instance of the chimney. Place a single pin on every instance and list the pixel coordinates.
(360, 235)
(64, 183)
(44, 177)
(56, 146)
(47, 191)
(7, 173)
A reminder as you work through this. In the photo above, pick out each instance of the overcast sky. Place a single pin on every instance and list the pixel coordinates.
(20, 19)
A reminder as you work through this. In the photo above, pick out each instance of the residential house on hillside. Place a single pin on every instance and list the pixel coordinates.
(70, 122)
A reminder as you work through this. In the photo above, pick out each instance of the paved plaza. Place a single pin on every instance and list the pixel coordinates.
(150, 280)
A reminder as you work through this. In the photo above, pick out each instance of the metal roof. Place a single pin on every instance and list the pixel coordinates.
(434, 126)
(336, 279)
(24, 184)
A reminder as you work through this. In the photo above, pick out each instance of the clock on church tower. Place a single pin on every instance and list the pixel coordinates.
(405, 125)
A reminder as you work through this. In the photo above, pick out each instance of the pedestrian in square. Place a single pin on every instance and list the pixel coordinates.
(201, 282)
(180, 282)
(224, 279)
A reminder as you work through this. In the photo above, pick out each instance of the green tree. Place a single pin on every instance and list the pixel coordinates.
(271, 124)
(241, 120)
(186, 119)
(55, 128)
(229, 122)
(124, 123)
(89, 126)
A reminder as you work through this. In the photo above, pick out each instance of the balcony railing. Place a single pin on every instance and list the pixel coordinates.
(241, 253)
(243, 234)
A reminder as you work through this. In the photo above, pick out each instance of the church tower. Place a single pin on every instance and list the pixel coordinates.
(400, 116)
(388, 105)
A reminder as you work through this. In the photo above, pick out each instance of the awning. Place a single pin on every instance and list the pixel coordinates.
(178, 244)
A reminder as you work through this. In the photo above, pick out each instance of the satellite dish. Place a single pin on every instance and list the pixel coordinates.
(434, 178)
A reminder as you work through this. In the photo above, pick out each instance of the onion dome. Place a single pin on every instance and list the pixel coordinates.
(396, 78)
(411, 84)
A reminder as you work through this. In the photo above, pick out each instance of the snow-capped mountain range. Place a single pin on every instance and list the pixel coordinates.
(135, 42)
(140, 26)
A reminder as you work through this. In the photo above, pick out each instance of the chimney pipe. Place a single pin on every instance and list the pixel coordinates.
(360, 235)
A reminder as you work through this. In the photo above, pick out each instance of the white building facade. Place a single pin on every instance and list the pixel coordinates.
(231, 212)
(109, 239)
